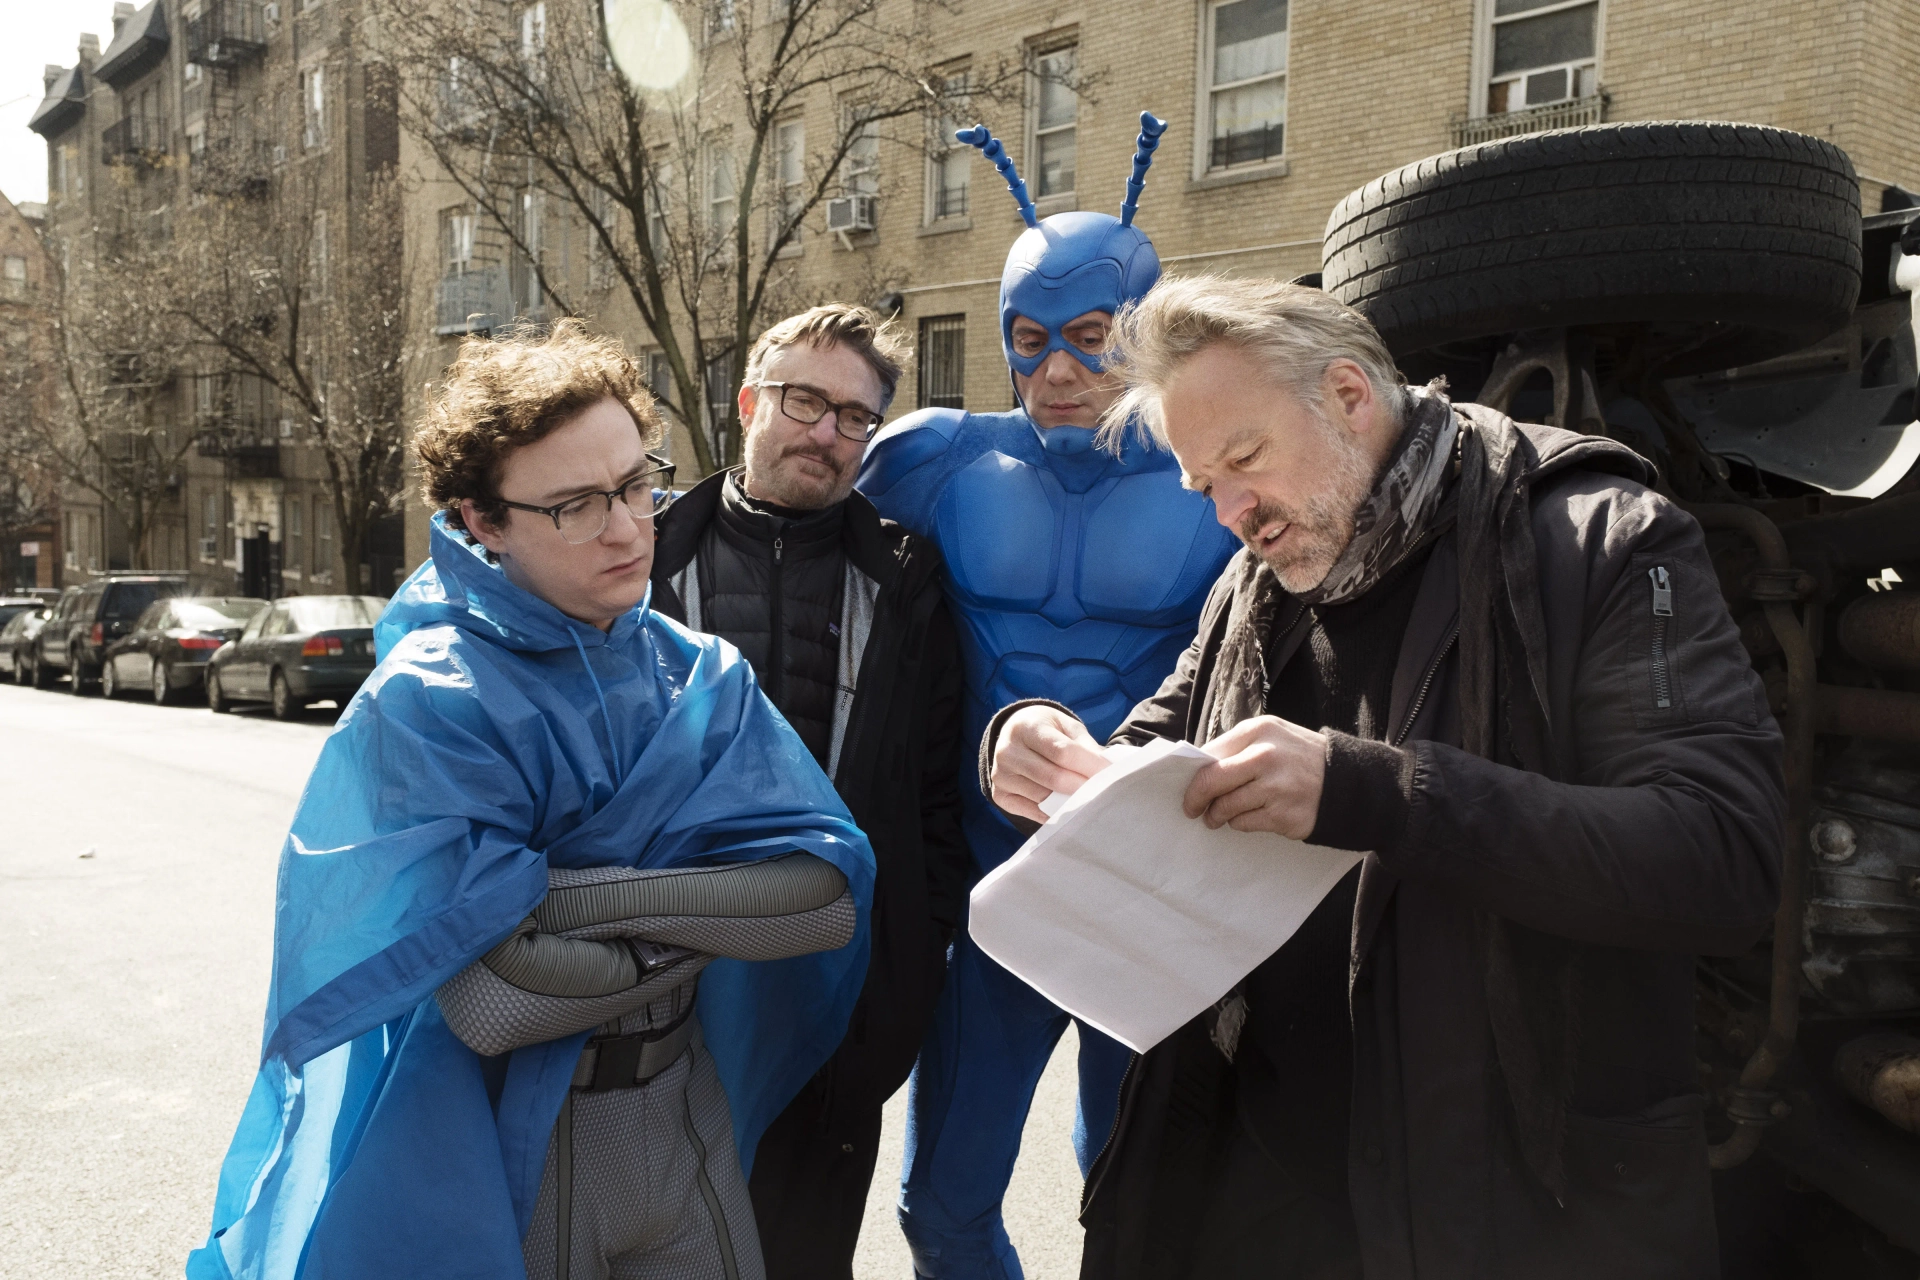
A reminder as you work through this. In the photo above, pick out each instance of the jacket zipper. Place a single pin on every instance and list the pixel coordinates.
(1662, 610)
(1426, 686)
(776, 680)
(1095, 1173)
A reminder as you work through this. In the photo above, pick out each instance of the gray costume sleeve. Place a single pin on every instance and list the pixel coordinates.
(607, 941)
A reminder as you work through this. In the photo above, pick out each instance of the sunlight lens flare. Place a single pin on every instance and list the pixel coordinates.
(649, 42)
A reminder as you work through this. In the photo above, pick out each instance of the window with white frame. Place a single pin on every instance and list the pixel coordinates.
(720, 19)
(1056, 114)
(790, 175)
(456, 241)
(943, 362)
(949, 162)
(860, 174)
(323, 541)
(1246, 81)
(660, 382)
(723, 200)
(533, 31)
(295, 551)
(319, 255)
(1541, 52)
(720, 393)
(313, 108)
(532, 255)
(660, 193)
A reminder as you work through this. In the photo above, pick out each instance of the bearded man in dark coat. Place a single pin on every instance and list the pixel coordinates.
(1493, 658)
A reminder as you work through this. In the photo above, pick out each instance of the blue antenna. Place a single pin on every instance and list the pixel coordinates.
(990, 148)
(1151, 128)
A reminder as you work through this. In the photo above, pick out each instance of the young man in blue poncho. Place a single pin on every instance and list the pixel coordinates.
(548, 820)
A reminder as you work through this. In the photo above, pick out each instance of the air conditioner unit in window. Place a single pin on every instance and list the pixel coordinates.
(852, 213)
(272, 14)
(279, 155)
(209, 548)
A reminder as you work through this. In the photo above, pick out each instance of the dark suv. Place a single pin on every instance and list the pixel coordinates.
(91, 617)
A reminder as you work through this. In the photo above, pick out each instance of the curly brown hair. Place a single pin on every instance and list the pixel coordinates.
(505, 393)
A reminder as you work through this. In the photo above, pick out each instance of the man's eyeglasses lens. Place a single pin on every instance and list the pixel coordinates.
(852, 421)
(585, 519)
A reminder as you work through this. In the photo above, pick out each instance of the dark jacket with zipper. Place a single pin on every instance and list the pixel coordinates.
(1657, 839)
(771, 582)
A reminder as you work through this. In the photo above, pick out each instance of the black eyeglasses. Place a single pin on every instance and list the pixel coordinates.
(804, 404)
(585, 518)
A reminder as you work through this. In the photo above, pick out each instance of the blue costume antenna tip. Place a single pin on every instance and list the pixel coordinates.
(990, 147)
(1151, 127)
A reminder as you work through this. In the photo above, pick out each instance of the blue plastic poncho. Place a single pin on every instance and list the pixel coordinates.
(497, 738)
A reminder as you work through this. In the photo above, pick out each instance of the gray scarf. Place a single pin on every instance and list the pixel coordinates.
(1399, 510)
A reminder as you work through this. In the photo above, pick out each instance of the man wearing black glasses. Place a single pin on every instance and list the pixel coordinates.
(842, 616)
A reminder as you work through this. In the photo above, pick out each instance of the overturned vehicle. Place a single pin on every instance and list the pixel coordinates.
(1711, 295)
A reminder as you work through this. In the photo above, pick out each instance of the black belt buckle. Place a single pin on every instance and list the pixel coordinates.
(617, 1059)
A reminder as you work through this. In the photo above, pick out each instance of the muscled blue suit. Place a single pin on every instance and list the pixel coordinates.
(1076, 576)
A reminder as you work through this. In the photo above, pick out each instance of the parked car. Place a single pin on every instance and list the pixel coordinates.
(17, 635)
(297, 652)
(169, 647)
(91, 617)
(11, 605)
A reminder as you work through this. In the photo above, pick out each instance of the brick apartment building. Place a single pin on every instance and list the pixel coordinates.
(28, 524)
(1277, 111)
(197, 100)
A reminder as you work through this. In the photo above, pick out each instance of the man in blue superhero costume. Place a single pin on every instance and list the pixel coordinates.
(1075, 575)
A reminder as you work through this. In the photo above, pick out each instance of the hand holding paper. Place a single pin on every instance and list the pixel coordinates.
(1042, 752)
(1131, 915)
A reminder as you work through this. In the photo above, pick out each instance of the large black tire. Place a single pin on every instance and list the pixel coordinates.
(216, 694)
(37, 674)
(1738, 224)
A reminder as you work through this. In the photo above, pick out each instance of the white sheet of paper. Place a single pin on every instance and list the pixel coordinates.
(1134, 917)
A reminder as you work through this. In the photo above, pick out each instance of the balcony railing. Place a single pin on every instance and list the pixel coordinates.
(137, 140)
(950, 202)
(477, 300)
(227, 167)
(1570, 114)
(227, 33)
(1249, 146)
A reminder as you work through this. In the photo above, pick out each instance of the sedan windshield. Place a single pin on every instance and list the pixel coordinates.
(216, 615)
(323, 613)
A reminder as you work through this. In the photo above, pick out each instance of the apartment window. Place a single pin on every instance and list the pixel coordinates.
(13, 278)
(722, 197)
(949, 163)
(319, 255)
(860, 175)
(720, 393)
(660, 382)
(1246, 63)
(943, 362)
(790, 171)
(1543, 51)
(456, 241)
(70, 178)
(313, 108)
(720, 19)
(295, 550)
(659, 202)
(533, 30)
(323, 541)
(532, 255)
(1055, 114)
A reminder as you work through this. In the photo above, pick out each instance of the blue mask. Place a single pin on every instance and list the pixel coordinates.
(1071, 263)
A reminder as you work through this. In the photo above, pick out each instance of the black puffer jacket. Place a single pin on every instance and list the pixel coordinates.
(770, 583)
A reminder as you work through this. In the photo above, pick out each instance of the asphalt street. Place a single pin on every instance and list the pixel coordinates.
(137, 854)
